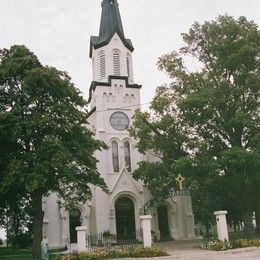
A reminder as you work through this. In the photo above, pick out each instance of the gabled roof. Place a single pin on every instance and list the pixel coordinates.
(110, 24)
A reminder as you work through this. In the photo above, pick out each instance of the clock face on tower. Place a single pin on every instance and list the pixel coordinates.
(119, 121)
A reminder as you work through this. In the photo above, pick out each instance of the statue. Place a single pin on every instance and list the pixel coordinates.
(45, 247)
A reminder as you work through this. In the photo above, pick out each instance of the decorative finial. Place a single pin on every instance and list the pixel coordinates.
(180, 181)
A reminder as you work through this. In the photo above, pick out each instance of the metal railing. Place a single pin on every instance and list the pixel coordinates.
(108, 241)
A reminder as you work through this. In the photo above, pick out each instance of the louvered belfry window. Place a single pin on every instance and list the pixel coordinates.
(116, 61)
(102, 67)
(128, 65)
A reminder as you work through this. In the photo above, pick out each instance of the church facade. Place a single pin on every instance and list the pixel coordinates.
(113, 100)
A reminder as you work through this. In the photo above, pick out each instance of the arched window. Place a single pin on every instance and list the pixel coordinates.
(115, 157)
(127, 156)
(116, 62)
(102, 64)
(128, 65)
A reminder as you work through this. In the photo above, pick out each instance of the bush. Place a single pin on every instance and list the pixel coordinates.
(1, 242)
(23, 240)
(239, 243)
(216, 245)
(117, 253)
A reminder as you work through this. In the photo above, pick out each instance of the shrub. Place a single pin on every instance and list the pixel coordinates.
(117, 253)
(216, 245)
(239, 243)
(23, 240)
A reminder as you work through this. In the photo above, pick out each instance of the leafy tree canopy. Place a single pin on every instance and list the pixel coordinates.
(205, 124)
(46, 144)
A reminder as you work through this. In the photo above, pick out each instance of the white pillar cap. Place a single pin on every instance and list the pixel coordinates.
(81, 228)
(145, 217)
(222, 212)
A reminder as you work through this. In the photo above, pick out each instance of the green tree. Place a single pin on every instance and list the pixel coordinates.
(43, 121)
(211, 114)
(15, 218)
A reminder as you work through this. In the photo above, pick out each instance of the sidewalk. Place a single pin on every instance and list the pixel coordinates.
(189, 250)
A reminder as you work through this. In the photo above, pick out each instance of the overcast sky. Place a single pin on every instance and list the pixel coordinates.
(58, 31)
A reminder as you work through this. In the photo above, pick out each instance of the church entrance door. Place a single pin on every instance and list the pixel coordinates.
(74, 222)
(163, 222)
(125, 219)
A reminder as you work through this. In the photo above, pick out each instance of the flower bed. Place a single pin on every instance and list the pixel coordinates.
(218, 245)
(117, 253)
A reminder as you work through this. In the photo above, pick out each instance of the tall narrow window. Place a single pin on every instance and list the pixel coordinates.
(116, 61)
(128, 65)
(127, 156)
(115, 157)
(102, 64)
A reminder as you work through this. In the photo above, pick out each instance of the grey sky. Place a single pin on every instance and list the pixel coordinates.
(58, 31)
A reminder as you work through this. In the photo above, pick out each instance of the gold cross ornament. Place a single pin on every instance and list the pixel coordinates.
(180, 180)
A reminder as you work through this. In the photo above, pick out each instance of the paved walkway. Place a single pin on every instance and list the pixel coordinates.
(189, 250)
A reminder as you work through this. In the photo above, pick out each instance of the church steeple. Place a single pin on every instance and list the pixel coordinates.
(110, 24)
(110, 19)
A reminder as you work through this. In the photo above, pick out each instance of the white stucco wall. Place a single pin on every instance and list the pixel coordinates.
(98, 215)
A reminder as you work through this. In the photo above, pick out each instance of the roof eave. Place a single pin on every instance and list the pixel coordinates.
(94, 84)
(106, 41)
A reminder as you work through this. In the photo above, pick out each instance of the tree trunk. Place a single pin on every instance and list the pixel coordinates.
(7, 231)
(248, 228)
(257, 216)
(207, 228)
(37, 215)
(235, 226)
(16, 218)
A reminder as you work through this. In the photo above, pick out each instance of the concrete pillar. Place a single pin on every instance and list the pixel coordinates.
(81, 238)
(222, 225)
(146, 226)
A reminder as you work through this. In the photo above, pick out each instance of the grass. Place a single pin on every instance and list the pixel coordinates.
(26, 257)
(25, 254)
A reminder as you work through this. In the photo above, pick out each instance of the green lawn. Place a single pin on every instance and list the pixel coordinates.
(26, 257)
(25, 254)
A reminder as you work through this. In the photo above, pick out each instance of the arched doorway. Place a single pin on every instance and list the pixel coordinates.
(125, 219)
(163, 222)
(75, 221)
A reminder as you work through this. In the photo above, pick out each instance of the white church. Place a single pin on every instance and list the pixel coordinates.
(113, 100)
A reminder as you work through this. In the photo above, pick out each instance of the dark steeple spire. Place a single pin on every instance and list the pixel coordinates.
(110, 24)
(110, 19)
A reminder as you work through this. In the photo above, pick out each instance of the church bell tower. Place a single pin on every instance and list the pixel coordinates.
(113, 100)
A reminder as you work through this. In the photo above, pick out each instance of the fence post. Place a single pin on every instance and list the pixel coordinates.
(146, 226)
(81, 238)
